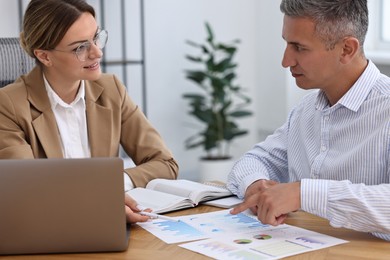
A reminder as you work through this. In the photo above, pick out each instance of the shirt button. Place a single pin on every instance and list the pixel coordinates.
(323, 148)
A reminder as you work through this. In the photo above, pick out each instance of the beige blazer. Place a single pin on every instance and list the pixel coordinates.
(28, 127)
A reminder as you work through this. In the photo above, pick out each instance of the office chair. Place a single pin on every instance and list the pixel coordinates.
(14, 61)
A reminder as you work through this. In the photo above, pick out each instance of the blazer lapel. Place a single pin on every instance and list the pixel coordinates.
(99, 121)
(43, 119)
(49, 139)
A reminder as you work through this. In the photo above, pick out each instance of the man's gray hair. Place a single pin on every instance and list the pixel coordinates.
(334, 19)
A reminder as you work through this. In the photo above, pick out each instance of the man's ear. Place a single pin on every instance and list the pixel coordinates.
(350, 48)
(43, 57)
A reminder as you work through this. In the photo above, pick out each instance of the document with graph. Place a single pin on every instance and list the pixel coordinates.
(221, 235)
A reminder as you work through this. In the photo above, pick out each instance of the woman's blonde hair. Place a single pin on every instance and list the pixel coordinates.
(45, 22)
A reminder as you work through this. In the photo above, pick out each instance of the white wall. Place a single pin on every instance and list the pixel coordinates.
(271, 76)
(9, 23)
(168, 24)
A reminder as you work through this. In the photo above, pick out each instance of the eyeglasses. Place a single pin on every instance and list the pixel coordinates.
(82, 51)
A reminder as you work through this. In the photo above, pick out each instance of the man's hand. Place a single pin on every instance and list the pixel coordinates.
(271, 201)
(257, 187)
(131, 211)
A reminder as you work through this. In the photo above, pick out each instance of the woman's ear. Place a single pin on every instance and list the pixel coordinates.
(43, 57)
(350, 48)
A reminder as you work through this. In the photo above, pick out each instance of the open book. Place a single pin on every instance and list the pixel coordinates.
(163, 195)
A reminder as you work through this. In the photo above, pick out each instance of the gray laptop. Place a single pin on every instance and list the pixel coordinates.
(62, 206)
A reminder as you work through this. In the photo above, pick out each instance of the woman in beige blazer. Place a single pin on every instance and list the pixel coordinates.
(66, 108)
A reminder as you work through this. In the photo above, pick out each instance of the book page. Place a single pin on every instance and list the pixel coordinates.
(193, 190)
(159, 202)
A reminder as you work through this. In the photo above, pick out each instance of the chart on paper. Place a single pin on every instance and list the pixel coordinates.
(267, 243)
(231, 237)
(172, 231)
(201, 226)
(222, 222)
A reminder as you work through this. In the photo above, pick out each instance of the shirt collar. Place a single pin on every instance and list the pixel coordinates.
(357, 94)
(56, 100)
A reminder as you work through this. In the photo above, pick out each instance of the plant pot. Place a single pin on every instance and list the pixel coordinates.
(215, 170)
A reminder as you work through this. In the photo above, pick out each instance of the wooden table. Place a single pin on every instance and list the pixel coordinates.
(144, 245)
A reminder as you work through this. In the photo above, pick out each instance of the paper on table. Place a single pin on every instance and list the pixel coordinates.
(231, 230)
(226, 203)
(239, 236)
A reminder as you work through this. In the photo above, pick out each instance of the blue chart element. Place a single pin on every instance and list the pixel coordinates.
(310, 240)
(246, 220)
(179, 228)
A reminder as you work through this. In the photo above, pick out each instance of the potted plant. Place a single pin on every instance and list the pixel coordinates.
(220, 101)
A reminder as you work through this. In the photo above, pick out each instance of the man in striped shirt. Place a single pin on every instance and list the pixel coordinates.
(331, 157)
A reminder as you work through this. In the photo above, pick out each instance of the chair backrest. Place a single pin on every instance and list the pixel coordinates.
(14, 61)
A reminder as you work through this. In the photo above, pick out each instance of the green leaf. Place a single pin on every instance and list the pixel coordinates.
(210, 35)
(195, 59)
(197, 76)
(193, 96)
(204, 115)
(240, 113)
(194, 145)
(233, 135)
(223, 65)
(230, 76)
(194, 44)
(210, 64)
(228, 49)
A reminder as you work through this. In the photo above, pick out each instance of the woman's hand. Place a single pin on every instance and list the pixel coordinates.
(131, 208)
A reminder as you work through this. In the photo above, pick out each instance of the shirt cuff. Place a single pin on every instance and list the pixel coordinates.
(129, 185)
(314, 196)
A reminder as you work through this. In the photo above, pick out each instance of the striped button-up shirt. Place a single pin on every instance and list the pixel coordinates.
(340, 154)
